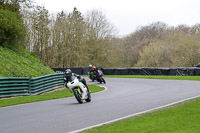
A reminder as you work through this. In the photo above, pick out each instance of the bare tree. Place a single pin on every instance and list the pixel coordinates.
(99, 33)
(144, 36)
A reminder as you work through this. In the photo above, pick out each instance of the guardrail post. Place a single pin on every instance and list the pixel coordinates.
(30, 86)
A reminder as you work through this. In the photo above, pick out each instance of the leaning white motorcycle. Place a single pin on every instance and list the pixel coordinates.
(80, 91)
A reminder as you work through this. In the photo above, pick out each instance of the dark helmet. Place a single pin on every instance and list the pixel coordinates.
(68, 72)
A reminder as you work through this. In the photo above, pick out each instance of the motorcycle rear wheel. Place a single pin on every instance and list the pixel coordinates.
(89, 95)
(89, 98)
(103, 80)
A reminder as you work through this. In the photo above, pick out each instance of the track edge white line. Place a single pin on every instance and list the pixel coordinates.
(135, 114)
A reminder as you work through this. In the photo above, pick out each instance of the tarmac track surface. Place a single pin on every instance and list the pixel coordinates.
(123, 97)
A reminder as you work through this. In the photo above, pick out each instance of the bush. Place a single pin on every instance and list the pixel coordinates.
(11, 27)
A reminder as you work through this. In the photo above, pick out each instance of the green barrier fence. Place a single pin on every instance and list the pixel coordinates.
(11, 87)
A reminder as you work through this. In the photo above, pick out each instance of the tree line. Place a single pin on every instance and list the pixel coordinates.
(73, 39)
(160, 45)
(70, 39)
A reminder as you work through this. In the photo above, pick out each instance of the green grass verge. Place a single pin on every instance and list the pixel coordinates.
(17, 62)
(48, 96)
(197, 78)
(180, 118)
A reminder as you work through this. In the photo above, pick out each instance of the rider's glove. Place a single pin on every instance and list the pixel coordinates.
(79, 77)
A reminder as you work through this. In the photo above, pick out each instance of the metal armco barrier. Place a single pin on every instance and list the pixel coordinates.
(14, 87)
(191, 71)
(46, 83)
(11, 87)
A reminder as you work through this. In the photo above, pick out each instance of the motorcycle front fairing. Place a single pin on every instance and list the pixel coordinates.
(76, 83)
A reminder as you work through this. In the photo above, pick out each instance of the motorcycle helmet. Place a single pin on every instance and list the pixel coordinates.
(68, 72)
(90, 66)
(93, 68)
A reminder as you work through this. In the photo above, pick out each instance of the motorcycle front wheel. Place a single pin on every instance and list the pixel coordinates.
(78, 96)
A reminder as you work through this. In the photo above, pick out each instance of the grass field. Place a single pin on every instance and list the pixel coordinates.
(179, 118)
(48, 96)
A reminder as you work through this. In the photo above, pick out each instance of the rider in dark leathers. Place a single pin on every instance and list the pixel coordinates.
(89, 71)
(69, 76)
(95, 72)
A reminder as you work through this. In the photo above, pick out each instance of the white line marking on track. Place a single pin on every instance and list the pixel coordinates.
(136, 114)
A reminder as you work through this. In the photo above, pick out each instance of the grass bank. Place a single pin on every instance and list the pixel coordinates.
(18, 62)
(48, 96)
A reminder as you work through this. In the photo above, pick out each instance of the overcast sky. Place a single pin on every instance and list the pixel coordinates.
(127, 15)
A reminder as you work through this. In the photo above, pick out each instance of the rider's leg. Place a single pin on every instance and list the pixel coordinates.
(84, 82)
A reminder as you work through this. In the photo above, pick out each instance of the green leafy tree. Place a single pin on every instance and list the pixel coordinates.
(12, 30)
(11, 27)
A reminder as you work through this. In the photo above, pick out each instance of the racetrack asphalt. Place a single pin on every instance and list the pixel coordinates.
(123, 97)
